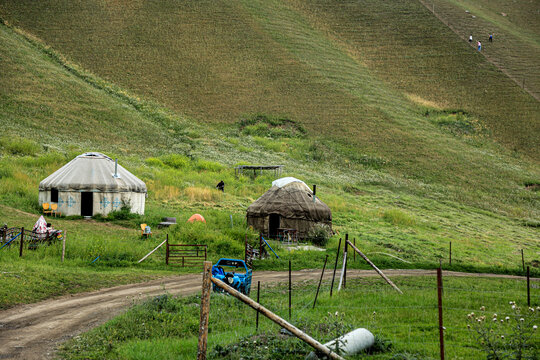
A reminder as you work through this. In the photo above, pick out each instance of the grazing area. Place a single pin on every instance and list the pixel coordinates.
(425, 150)
(166, 327)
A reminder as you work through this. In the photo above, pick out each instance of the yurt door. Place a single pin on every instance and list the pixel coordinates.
(87, 204)
(273, 225)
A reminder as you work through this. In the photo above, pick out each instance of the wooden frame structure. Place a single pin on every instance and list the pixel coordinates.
(239, 170)
(185, 255)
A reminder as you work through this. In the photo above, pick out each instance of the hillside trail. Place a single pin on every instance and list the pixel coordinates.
(428, 6)
(34, 331)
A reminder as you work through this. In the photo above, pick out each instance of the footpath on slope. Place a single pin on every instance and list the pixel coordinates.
(34, 331)
(503, 69)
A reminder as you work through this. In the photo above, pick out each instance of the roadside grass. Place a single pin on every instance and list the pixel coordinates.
(29, 281)
(159, 327)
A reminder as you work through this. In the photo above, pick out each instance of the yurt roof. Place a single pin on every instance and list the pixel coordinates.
(290, 198)
(92, 171)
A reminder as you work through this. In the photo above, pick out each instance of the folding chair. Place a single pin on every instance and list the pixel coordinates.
(54, 208)
(46, 208)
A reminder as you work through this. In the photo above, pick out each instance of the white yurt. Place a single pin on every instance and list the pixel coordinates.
(91, 184)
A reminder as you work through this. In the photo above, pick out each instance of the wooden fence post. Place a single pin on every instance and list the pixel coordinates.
(320, 281)
(167, 250)
(375, 268)
(205, 311)
(278, 320)
(439, 296)
(335, 267)
(290, 291)
(345, 266)
(22, 242)
(64, 245)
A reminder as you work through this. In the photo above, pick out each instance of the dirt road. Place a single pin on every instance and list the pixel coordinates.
(33, 331)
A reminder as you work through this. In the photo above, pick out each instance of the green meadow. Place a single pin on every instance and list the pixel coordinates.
(405, 326)
(413, 138)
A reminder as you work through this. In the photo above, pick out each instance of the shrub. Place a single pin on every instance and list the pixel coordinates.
(176, 161)
(19, 146)
(123, 214)
(154, 162)
(207, 165)
(271, 126)
(514, 336)
(319, 234)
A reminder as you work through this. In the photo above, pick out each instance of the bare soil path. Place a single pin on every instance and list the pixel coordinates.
(33, 331)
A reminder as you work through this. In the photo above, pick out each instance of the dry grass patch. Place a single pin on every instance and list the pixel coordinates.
(202, 194)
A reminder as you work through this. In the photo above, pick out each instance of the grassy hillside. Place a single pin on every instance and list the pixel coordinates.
(402, 173)
(516, 31)
(312, 61)
(402, 43)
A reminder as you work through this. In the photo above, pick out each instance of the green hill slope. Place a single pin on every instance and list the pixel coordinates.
(44, 102)
(314, 62)
(516, 31)
(408, 177)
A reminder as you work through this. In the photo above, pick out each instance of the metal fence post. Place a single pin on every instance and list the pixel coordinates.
(439, 296)
(22, 242)
(320, 281)
(167, 251)
(335, 267)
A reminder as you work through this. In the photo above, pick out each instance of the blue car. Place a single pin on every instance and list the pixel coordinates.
(234, 273)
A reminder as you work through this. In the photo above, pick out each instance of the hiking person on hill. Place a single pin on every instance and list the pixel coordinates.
(470, 38)
(479, 46)
(490, 37)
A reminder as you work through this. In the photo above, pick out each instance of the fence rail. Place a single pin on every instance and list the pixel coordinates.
(32, 239)
(185, 254)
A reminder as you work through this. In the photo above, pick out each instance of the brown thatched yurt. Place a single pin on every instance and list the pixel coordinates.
(288, 205)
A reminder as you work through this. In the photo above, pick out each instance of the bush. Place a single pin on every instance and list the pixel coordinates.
(19, 146)
(175, 161)
(271, 126)
(151, 161)
(507, 337)
(123, 214)
(319, 234)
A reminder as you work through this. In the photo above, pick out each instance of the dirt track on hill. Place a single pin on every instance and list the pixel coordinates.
(34, 331)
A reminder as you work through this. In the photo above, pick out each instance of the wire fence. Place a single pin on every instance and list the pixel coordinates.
(410, 322)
